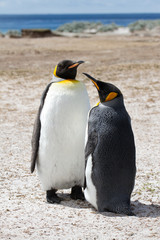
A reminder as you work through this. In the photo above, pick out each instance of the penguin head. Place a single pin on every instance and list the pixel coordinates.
(67, 69)
(106, 91)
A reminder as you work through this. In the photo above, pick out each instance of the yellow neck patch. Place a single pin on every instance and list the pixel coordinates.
(111, 96)
(68, 81)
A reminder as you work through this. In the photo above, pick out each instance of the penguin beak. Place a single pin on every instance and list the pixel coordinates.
(93, 80)
(105, 93)
(76, 64)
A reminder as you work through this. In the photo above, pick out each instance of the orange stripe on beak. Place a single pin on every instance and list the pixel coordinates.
(74, 65)
(95, 84)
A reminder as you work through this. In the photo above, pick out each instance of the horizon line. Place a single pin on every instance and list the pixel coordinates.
(78, 13)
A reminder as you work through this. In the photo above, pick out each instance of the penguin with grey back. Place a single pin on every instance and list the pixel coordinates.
(109, 153)
(59, 133)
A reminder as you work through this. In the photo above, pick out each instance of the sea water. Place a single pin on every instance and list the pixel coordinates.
(53, 21)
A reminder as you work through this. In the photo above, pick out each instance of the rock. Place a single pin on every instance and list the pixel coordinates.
(37, 33)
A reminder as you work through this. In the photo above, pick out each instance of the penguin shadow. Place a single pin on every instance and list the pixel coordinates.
(67, 201)
(145, 210)
(139, 209)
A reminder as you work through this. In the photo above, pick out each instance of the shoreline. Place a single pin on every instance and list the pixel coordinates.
(84, 28)
(42, 33)
(89, 26)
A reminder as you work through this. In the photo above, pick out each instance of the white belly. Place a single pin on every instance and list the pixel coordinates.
(90, 192)
(61, 147)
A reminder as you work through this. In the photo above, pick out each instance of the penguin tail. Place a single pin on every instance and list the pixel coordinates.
(32, 166)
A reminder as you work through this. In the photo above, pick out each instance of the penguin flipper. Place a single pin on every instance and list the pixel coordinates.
(91, 144)
(36, 130)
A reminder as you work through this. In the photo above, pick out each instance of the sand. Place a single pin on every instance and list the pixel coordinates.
(26, 65)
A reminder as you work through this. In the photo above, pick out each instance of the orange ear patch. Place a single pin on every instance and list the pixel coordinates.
(55, 70)
(111, 96)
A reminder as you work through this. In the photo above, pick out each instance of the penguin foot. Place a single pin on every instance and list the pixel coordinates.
(77, 193)
(52, 197)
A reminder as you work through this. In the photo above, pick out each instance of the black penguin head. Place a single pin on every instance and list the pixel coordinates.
(107, 91)
(67, 69)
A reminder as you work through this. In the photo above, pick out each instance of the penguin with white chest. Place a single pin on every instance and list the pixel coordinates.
(109, 153)
(58, 138)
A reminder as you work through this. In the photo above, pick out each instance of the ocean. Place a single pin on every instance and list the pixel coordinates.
(53, 21)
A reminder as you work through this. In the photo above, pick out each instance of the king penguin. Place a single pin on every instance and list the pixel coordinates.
(58, 139)
(109, 153)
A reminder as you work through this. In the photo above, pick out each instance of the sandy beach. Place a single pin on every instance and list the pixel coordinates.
(132, 63)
